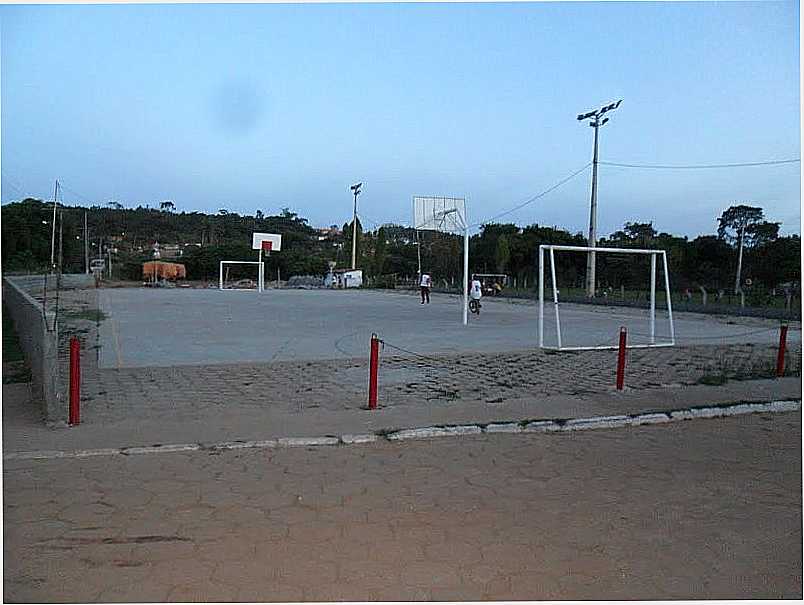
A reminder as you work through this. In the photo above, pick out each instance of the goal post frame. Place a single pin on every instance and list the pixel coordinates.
(653, 254)
(260, 273)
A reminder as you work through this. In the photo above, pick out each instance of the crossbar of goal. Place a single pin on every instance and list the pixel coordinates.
(653, 254)
(260, 273)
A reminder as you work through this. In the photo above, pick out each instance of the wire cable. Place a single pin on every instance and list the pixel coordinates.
(534, 198)
(722, 338)
(75, 193)
(8, 181)
(701, 166)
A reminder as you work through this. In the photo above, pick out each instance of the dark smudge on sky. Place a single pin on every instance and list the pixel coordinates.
(238, 106)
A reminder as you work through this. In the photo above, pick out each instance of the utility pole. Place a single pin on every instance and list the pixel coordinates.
(53, 229)
(737, 287)
(61, 240)
(356, 190)
(86, 244)
(596, 123)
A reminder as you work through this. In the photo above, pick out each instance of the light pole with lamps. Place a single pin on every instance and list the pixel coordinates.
(356, 190)
(596, 122)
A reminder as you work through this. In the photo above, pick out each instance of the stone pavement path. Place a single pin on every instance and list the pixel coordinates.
(111, 395)
(699, 509)
(405, 378)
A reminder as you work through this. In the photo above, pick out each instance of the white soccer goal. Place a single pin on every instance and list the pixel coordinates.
(234, 275)
(666, 340)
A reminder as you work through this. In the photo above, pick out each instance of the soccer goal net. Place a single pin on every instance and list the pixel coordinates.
(241, 275)
(625, 296)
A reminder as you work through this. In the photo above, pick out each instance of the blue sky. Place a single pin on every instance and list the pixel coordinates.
(250, 107)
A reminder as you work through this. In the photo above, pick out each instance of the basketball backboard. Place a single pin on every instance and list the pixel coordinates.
(270, 242)
(446, 214)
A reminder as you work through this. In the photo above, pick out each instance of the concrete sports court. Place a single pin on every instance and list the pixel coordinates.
(171, 327)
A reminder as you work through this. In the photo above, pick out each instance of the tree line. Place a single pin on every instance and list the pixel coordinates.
(745, 252)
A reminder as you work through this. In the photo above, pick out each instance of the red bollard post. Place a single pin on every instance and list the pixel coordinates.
(780, 356)
(75, 381)
(374, 362)
(621, 360)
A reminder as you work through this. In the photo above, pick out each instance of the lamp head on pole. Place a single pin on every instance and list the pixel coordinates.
(356, 188)
(595, 115)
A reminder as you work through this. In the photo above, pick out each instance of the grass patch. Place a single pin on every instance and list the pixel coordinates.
(95, 315)
(713, 379)
(11, 344)
(14, 367)
(16, 372)
(726, 366)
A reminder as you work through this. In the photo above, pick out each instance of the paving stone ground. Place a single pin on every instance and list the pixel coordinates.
(405, 379)
(696, 510)
(341, 385)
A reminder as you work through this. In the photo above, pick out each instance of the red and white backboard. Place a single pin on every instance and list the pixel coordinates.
(270, 242)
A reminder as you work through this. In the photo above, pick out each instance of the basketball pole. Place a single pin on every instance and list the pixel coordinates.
(259, 272)
(652, 299)
(465, 274)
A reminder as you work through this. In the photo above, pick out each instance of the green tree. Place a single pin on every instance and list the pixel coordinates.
(502, 254)
(777, 261)
(733, 225)
(380, 251)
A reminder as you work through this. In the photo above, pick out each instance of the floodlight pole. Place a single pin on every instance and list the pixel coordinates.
(596, 122)
(591, 263)
(53, 229)
(86, 245)
(356, 191)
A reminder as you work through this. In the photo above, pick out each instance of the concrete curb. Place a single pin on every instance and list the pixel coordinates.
(524, 426)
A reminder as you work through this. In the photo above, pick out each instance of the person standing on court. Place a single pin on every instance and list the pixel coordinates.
(424, 285)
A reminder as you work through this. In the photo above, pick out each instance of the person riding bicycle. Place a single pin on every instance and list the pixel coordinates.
(476, 292)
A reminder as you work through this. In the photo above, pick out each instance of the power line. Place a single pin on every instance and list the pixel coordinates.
(535, 197)
(76, 194)
(14, 185)
(362, 216)
(702, 166)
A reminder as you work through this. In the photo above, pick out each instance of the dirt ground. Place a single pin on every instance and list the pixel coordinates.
(697, 510)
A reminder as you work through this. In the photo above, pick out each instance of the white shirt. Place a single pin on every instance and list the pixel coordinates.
(425, 281)
(476, 291)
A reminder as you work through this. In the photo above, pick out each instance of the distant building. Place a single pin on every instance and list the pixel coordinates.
(153, 271)
(328, 233)
(167, 250)
(347, 278)
(172, 251)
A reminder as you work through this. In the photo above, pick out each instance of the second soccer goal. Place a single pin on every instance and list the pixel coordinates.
(591, 327)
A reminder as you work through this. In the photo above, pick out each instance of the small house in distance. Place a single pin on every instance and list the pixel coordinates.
(156, 270)
(347, 278)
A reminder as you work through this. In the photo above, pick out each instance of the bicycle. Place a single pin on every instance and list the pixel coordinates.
(474, 306)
